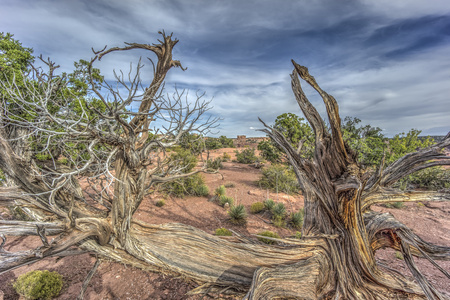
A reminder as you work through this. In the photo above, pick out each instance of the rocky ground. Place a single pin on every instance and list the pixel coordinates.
(112, 280)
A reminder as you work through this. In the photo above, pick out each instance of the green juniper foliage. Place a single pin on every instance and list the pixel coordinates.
(39, 285)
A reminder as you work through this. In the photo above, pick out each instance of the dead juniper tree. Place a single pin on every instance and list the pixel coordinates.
(335, 259)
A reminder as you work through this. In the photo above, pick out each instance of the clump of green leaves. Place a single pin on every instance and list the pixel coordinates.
(269, 204)
(279, 211)
(191, 185)
(269, 152)
(220, 191)
(398, 255)
(246, 156)
(160, 203)
(223, 232)
(217, 143)
(297, 219)
(226, 157)
(257, 207)
(268, 234)
(238, 214)
(279, 178)
(39, 284)
(225, 199)
(397, 205)
(298, 235)
(214, 164)
(202, 190)
(436, 178)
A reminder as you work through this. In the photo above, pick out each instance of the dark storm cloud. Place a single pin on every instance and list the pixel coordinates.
(386, 62)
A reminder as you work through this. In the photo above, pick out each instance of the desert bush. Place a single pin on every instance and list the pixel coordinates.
(223, 232)
(39, 284)
(436, 178)
(268, 234)
(225, 199)
(184, 186)
(238, 214)
(397, 205)
(257, 207)
(398, 255)
(202, 190)
(246, 156)
(226, 157)
(298, 235)
(279, 178)
(160, 203)
(229, 185)
(297, 219)
(220, 191)
(214, 164)
(269, 152)
(269, 204)
(279, 211)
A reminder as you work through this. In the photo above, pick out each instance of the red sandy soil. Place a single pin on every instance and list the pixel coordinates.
(116, 281)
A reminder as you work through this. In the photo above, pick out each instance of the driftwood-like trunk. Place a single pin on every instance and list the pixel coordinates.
(334, 259)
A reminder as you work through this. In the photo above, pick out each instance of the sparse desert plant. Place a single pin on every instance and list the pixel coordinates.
(223, 232)
(278, 222)
(238, 214)
(214, 164)
(297, 219)
(279, 211)
(268, 234)
(184, 186)
(160, 203)
(246, 156)
(397, 205)
(257, 207)
(398, 255)
(226, 157)
(229, 185)
(39, 284)
(279, 178)
(298, 235)
(220, 191)
(269, 204)
(225, 199)
(202, 190)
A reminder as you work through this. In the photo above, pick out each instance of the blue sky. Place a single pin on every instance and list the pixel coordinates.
(387, 62)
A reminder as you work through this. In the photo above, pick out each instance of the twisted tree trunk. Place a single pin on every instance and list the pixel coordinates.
(335, 259)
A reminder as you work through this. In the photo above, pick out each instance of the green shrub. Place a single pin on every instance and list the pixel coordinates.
(279, 178)
(269, 152)
(238, 214)
(257, 207)
(268, 234)
(184, 158)
(298, 235)
(269, 204)
(184, 186)
(160, 203)
(397, 205)
(225, 199)
(39, 284)
(202, 190)
(278, 222)
(223, 232)
(297, 219)
(279, 211)
(398, 255)
(435, 178)
(246, 156)
(214, 164)
(220, 191)
(226, 157)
